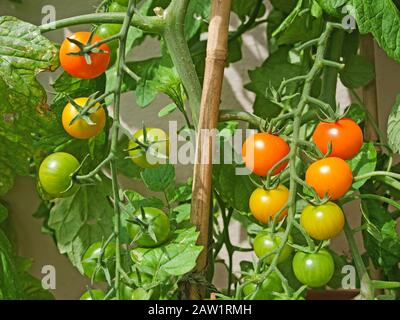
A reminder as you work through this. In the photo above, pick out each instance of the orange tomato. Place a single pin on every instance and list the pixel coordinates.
(80, 129)
(77, 66)
(331, 176)
(266, 204)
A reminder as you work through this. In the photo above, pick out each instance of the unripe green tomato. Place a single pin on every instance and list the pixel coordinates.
(91, 257)
(314, 269)
(55, 174)
(266, 242)
(93, 294)
(270, 285)
(105, 31)
(156, 220)
(116, 7)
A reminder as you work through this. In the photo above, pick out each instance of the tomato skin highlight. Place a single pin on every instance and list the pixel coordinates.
(266, 204)
(80, 129)
(266, 242)
(55, 174)
(332, 176)
(76, 65)
(314, 269)
(270, 285)
(158, 221)
(345, 136)
(148, 160)
(322, 222)
(262, 151)
(90, 259)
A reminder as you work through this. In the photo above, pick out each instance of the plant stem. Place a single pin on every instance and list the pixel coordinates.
(377, 174)
(148, 24)
(114, 142)
(176, 42)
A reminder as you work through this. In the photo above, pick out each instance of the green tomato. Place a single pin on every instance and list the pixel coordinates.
(270, 285)
(55, 174)
(313, 269)
(122, 2)
(91, 257)
(108, 30)
(154, 222)
(266, 242)
(93, 294)
(157, 151)
(116, 7)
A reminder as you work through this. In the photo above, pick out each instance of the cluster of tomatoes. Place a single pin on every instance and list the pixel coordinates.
(330, 178)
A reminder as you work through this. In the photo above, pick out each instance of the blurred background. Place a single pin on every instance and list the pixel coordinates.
(22, 200)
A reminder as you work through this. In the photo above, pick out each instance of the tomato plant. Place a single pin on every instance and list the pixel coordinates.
(311, 160)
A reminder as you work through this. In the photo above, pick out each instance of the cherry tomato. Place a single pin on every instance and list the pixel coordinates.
(81, 129)
(55, 174)
(158, 148)
(265, 292)
(116, 7)
(93, 294)
(331, 176)
(345, 136)
(323, 222)
(262, 151)
(77, 66)
(105, 31)
(266, 242)
(266, 204)
(313, 269)
(155, 222)
(91, 258)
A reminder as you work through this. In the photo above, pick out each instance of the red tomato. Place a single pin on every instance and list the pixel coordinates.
(77, 65)
(262, 151)
(330, 176)
(345, 135)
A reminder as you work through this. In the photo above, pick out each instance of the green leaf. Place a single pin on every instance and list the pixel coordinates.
(24, 53)
(390, 245)
(182, 212)
(332, 7)
(175, 258)
(234, 189)
(394, 127)
(285, 6)
(81, 220)
(167, 110)
(197, 13)
(244, 9)
(358, 72)
(136, 201)
(357, 113)
(382, 19)
(3, 213)
(364, 162)
(159, 179)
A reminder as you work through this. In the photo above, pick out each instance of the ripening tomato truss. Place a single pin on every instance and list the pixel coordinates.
(322, 193)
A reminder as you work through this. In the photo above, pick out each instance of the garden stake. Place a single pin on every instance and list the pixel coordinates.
(217, 49)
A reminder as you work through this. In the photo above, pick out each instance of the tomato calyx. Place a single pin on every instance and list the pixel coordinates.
(144, 224)
(85, 49)
(85, 111)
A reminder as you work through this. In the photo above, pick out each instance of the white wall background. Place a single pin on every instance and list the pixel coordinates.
(23, 201)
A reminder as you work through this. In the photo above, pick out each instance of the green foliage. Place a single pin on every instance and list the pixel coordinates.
(160, 178)
(357, 73)
(394, 127)
(24, 53)
(364, 162)
(382, 19)
(81, 220)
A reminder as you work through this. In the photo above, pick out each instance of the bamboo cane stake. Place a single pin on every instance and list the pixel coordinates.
(217, 50)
